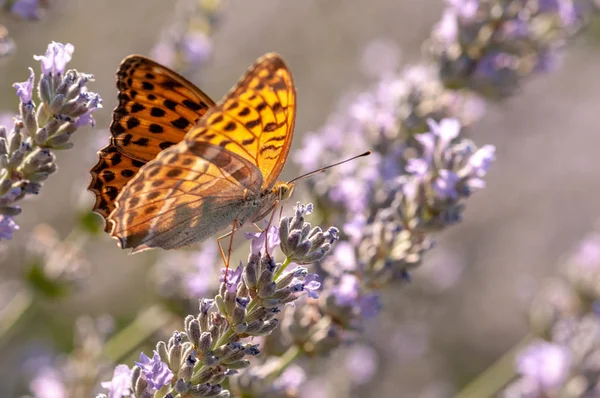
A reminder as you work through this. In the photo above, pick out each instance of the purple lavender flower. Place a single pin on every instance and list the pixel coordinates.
(27, 9)
(120, 385)
(233, 277)
(197, 47)
(292, 378)
(310, 284)
(154, 371)
(547, 364)
(346, 290)
(361, 362)
(48, 383)
(7, 227)
(258, 239)
(25, 89)
(93, 102)
(26, 145)
(369, 305)
(55, 59)
(491, 46)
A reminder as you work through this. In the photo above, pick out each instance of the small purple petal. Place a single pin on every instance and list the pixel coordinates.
(25, 89)
(233, 277)
(258, 240)
(445, 185)
(154, 371)
(7, 227)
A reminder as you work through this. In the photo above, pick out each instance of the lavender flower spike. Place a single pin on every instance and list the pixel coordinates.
(26, 158)
(195, 362)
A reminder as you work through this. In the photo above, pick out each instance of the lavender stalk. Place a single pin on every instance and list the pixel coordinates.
(26, 150)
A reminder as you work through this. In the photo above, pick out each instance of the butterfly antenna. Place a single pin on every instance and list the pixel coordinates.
(322, 169)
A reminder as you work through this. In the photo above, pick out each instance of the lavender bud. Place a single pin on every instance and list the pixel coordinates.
(16, 158)
(250, 275)
(57, 103)
(285, 279)
(58, 140)
(204, 344)
(44, 90)
(188, 368)
(243, 364)
(161, 348)
(181, 387)
(239, 314)
(203, 376)
(267, 289)
(193, 332)
(175, 358)
(14, 142)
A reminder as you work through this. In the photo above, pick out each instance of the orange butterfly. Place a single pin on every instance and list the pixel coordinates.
(179, 167)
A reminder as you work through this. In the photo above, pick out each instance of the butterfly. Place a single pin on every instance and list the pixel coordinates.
(179, 167)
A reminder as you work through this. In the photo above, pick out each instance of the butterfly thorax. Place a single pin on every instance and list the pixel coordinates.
(269, 198)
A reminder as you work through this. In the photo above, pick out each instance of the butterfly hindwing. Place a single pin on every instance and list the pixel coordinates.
(155, 106)
(183, 196)
(112, 172)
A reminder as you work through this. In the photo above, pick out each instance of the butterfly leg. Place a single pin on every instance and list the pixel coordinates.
(226, 259)
(257, 227)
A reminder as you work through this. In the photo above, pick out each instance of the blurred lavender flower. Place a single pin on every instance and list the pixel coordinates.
(185, 44)
(70, 377)
(261, 380)
(48, 383)
(565, 359)
(55, 265)
(7, 44)
(7, 227)
(196, 361)
(120, 385)
(361, 363)
(28, 9)
(490, 46)
(187, 275)
(26, 159)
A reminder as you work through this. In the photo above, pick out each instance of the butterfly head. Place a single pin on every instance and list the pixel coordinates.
(283, 190)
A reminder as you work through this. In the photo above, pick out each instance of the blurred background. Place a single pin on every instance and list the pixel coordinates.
(467, 304)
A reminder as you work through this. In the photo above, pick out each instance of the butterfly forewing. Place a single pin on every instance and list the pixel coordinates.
(156, 109)
(256, 118)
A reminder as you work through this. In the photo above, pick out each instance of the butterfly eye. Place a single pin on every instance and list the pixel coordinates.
(285, 191)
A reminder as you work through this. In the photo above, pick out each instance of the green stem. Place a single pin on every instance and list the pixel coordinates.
(283, 267)
(136, 333)
(18, 306)
(496, 377)
(286, 359)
